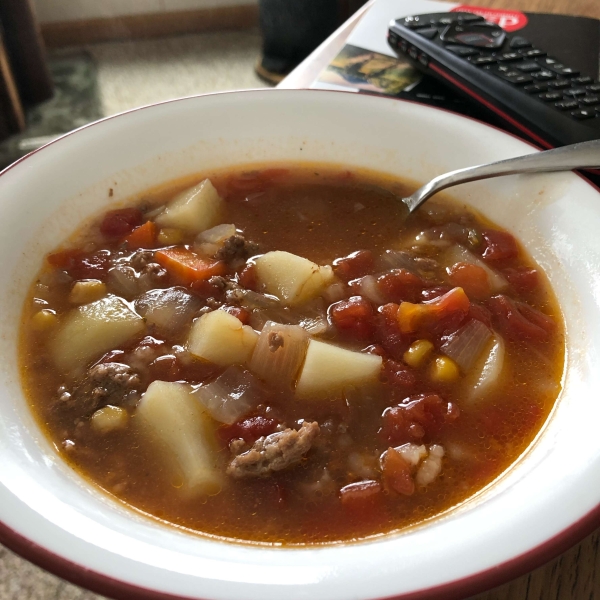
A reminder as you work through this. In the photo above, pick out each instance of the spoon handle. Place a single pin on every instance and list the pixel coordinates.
(584, 155)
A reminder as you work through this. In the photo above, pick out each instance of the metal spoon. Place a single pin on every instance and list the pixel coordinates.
(584, 155)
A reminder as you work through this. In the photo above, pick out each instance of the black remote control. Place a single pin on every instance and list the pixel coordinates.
(532, 93)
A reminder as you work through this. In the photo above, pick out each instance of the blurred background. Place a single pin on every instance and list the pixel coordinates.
(64, 63)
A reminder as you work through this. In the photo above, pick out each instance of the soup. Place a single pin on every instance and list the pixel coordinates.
(280, 355)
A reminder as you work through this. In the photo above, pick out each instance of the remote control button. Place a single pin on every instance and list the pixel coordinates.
(584, 113)
(415, 22)
(590, 100)
(543, 75)
(469, 18)
(446, 21)
(527, 66)
(582, 80)
(413, 52)
(566, 105)
(462, 50)
(404, 46)
(423, 59)
(519, 42)
(559, 84)
(594, 87)
(482, 60)
(428, 33)
(512, 76)
(536, 88)
(550, 96)
(557, 67)
(533, 53)
(509, 56)
(574, 93)
(479, 35)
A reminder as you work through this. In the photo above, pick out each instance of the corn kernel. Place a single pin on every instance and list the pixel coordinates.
(418, 353)
(170, 236)
(444, 370)
(109, 418)
(86, 291)
(44, 319)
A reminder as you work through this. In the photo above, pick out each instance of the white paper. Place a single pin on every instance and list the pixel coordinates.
(371, 31)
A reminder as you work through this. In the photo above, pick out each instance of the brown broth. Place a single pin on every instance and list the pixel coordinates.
(320, 213)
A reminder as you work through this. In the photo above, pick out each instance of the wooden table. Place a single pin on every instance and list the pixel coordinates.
(574, 575)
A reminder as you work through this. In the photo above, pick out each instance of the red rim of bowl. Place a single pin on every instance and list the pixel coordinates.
(453, 590)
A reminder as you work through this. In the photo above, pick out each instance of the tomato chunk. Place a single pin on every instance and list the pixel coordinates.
(355, 265)
(117, 223)
(398, 375)
(499, 245)
(412, 317)
(353, 317)
(387, 331)
(165, 368)
(434, 292)
(472, 278)
(360, 494)
(480, 313)
(247, 277)
(186, 266)
(416, 419)
(82, 265)
(401, 285)
(517, 320)
(397, 473)
(249, 429)
(523, 279)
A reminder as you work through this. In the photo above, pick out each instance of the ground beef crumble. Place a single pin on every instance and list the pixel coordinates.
(103, 384)
(274, 452)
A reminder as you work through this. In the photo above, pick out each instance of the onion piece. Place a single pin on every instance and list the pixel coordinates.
(252, 300)
(489, 373)
(217, 234)
(122, 281)
(314, 325)
(335, 292)
(466, 345)
(312, 317)
(399, 259)
(369, 288)
(459, 253)
(230, 396)
(170, 309)
(279, 354)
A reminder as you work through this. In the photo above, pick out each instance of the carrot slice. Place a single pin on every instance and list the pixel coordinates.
(186, 266)
(413, 316)
(143, 236)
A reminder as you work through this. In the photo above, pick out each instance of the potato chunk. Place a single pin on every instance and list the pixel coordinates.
(220, 338)
(329, 369)
(86, 291)
(291, 278)
(90, 330)
(177, 420)
(194, 210)
(110, 418)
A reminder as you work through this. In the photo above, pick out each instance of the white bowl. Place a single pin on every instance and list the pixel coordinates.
(546, 501)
